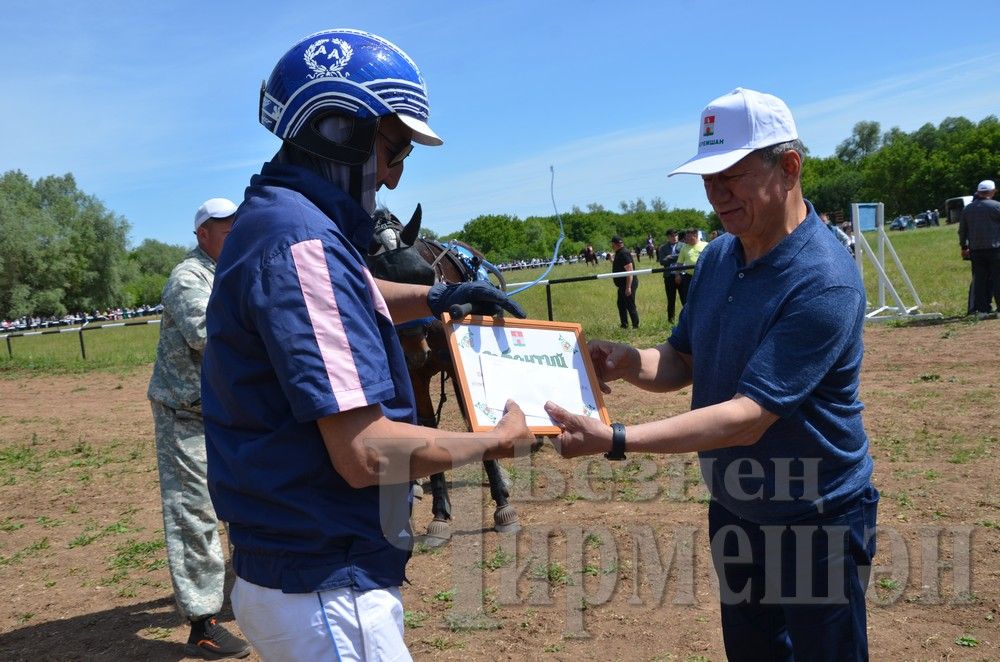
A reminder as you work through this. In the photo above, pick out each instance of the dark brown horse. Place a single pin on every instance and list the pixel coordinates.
(398, 254)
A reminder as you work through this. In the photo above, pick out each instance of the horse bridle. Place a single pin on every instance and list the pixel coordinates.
(387, 237)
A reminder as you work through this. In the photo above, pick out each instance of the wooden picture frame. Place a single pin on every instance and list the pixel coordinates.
(481, 344)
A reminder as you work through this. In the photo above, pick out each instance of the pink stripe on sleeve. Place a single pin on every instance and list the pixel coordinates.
(377, 299)
(324, 315)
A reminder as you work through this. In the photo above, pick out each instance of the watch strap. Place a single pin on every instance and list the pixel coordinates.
(617, 452)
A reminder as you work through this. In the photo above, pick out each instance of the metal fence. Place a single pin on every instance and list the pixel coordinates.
(73, 329)
(576, 279)
(86, 327)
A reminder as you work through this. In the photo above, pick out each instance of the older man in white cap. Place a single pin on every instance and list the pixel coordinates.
(191, 528)
(770, 339)
(979, 237)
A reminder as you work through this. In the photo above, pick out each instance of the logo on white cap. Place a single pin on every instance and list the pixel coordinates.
(736, 124)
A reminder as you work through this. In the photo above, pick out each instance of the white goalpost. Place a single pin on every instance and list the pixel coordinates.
(870, 216)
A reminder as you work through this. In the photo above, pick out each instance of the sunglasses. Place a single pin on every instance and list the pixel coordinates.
(398, 153)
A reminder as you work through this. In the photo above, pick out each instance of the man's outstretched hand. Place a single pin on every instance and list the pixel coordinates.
(579, 435)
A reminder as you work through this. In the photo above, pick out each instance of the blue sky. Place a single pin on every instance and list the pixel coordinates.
(153, 106)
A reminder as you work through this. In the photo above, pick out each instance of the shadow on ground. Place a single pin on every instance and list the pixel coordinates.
(123, 633)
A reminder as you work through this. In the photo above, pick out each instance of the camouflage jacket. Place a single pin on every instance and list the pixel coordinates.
(176, 380)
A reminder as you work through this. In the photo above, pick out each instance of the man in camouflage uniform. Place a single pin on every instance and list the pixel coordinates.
(194, 553)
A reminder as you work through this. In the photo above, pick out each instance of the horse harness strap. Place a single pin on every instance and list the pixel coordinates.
(444, 251)
(442, 400)
(414, 327)
(435, 420)
(461, 264)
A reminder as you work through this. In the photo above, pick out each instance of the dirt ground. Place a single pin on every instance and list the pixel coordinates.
(608, 565)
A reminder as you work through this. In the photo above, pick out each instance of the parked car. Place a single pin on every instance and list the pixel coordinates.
(925, 219)
(902, 223)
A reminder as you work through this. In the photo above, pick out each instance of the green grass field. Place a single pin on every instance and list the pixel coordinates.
(929, 255)
(112, 348)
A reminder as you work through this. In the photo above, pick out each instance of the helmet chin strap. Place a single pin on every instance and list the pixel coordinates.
(356, 190)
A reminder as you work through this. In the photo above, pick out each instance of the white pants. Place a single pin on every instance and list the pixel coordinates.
(341, 624)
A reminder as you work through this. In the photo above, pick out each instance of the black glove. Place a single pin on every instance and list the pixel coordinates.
(484, 298)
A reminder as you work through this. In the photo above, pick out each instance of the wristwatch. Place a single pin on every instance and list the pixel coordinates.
(617, 452)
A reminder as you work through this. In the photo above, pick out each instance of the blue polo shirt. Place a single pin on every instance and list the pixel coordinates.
(785, 331)
(297, 330)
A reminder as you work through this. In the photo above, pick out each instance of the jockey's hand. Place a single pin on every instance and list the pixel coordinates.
(612, 361)
(516, 440)
(581, 435)
(484, 297)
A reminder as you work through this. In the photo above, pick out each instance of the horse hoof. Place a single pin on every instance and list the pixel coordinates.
(416, 491)
(513, 527)
(438, 533)
(505, 520)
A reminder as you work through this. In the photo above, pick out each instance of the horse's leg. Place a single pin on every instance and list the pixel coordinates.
(439, 530)
(504, 517)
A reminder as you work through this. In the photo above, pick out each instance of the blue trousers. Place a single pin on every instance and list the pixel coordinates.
(795, 592)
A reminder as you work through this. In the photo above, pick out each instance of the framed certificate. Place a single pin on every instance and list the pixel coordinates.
(528, 361)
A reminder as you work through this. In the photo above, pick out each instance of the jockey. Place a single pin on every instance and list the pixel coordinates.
(307, 403)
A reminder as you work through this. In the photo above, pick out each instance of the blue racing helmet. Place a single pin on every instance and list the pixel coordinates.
(349, 73)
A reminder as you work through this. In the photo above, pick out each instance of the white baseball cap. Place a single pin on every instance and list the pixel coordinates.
(734, 125)
(213, 208)
(986, 185)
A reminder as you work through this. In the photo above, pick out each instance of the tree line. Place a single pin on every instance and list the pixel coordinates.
(503, 238)
(62, 250)
(908, 172)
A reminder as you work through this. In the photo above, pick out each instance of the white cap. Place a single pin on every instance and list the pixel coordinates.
(986, 185)
(734, 125)
(213, 208)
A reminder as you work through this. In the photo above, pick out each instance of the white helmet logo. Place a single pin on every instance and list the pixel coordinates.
(337, 56)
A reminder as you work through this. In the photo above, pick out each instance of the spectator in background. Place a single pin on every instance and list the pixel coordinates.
(979, 239)
(688, 257)
(713, 235)
(848, 229)
(627, 285)
(837, 232)
(194, 553)
(666, 255)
